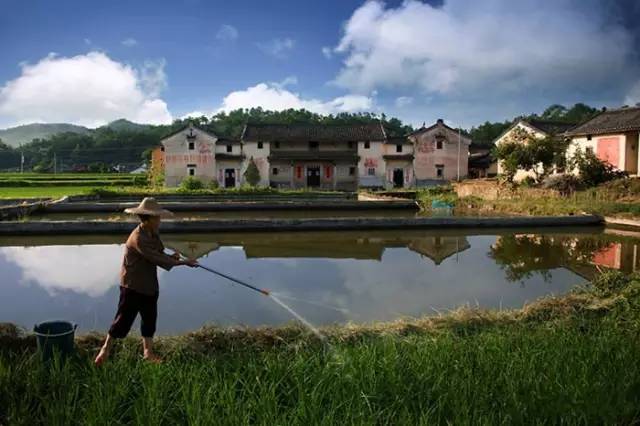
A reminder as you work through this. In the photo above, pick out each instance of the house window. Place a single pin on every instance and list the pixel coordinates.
(313, 146)
(439, 171)
(352, 171)
(277, 144)
(191, 169)
(350, 145)
(275, 171)
(367, 145)
(438, 143)
(162, 148)
(588, 137)
(371, 171)
(260, 145)
(229, 149)
(192, 145)
(398, 148)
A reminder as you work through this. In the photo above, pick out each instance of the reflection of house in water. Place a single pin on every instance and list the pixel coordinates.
(623, 257)
(318, 245)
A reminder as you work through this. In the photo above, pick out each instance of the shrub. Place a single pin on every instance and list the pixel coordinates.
(191, 184)
(565, 184)
(213, 185)
(594, 171)
(252, 174)
(528, 182)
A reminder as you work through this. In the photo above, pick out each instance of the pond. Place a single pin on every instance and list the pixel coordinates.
(329, 277)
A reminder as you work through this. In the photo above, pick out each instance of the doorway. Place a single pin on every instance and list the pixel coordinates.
(229, 178)
(398, 178)
(313, 176)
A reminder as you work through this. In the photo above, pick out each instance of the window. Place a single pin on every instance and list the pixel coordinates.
(367, 145)
(229, 148)
(439, 171)
(162, 148)
(260, 145)
(191, 169)
(275, 171)
(192, 145)
(371, 171)
(352, 171)
(277, 144)
(438, 143)
(588, 137)
(398, 148)
(313, 146)
(350, 145)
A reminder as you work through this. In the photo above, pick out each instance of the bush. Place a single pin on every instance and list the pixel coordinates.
(252, 174)
(191, 184)
(528, 182)
(565, 184)
(213, 185)
(594, 171)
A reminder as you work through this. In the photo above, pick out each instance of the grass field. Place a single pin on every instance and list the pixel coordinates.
(572, 360)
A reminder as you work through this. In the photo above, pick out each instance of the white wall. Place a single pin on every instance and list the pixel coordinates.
(178, 156)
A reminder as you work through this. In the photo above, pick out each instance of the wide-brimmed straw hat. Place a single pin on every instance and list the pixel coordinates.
(149, 206)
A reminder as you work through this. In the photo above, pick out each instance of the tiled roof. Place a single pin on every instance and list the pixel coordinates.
(615, 120)
(314, 155)
(550, 127)
(314, 132)
(398, 140)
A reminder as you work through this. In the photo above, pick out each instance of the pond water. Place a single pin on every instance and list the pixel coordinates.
(348, 276)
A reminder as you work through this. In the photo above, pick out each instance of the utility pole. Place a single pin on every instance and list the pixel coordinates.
(55, 163)
(459, 140)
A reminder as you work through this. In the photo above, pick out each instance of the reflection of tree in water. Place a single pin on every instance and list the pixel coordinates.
(522, 256)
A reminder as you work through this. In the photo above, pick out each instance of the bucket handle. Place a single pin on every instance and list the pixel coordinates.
(75, 327)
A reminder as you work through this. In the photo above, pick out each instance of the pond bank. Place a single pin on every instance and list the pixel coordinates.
(231, 225)
(549, 362)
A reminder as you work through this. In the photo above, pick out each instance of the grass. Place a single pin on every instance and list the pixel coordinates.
(44, 191)
(568, 360)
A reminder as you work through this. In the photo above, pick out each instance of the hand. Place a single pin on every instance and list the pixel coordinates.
(190, 262)
(176, 255)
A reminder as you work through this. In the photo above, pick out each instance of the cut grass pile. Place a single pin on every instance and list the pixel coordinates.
(564, 360)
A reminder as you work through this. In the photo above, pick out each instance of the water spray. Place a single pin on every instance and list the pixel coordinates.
(273, 297)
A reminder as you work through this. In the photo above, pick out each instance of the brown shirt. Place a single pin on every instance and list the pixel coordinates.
(143, 252)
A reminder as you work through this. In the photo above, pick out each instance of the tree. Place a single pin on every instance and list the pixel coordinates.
(252, 174)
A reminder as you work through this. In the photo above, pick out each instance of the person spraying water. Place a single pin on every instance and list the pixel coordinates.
(139, 289)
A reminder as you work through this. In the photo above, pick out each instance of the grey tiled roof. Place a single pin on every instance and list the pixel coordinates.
(615, 120)
(550, 127)
(314, 132)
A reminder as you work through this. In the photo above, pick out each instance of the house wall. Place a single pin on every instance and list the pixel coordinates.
(221, 148)
(407, 170)
(177, 156)
(619, 149)
(521, 174)
(222, 165)
(427, 156)
(371, 158)
(261, 158)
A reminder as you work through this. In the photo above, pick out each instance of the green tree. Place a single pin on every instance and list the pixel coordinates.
(592, 170)
(252, 174)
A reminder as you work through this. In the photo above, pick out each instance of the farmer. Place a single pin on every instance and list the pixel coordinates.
(139, 281)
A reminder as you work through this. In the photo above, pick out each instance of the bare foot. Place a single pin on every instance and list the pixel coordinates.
(101, 357)
(152, 358)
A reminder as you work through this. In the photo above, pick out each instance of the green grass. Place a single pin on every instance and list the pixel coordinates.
(43, 192)
(572, 360)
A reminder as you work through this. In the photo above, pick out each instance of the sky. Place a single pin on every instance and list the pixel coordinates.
(90, 62)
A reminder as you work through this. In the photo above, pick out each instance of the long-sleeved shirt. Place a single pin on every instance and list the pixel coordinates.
(143, 252)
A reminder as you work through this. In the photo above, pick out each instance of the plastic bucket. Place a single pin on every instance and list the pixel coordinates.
(55, 336)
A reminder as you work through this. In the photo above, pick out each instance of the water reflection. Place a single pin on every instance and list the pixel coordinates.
(370, 276)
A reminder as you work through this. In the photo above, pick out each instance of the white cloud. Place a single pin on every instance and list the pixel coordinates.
(278, 47)
(91, 269)
(403, 101)
(327, 52)
(465, 46)
(90, 90)
(227, 33)
(275, 97)
(130, 42)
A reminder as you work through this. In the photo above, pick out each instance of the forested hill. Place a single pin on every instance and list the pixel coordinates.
(124, 142)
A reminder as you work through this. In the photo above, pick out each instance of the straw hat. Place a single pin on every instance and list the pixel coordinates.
(149, 206)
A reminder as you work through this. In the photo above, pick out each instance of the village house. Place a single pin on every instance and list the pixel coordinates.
(539, 129)
(612, 136)
(481, 163)
(441, 154)
(331, 157)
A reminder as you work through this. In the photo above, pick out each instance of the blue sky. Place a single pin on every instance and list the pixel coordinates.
(90, 62)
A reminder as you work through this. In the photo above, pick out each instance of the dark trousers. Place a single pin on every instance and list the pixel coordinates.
(131, 303)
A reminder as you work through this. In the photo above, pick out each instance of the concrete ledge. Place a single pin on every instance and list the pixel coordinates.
(252, 225)
(81, 207)
(630, 224)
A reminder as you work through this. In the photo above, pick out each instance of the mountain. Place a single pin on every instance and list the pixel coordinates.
(124, 124)
(15, 136)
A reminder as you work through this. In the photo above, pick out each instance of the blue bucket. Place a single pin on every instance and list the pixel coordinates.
(55, 337)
